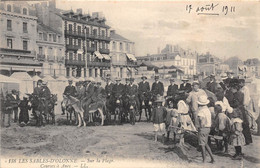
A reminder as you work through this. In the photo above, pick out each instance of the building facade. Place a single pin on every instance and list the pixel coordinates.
(253, 67)
(173, 56)
(18, 24)
(208, 64)
(50, 51)
(87, 41)
(122, 53)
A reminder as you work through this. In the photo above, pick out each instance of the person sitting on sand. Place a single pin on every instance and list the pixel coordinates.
(24, 108)
(159, 118)
(204, 118)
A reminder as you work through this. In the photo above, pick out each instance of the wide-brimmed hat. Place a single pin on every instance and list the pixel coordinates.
(117, 79)
(143, 77)
(195, 83)
(203, 100)
(159, 99)
(172, 79)
(184, 79)
(13, 91)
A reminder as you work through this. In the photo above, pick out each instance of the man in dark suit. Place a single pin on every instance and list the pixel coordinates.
(144, 95)
(70, 89)
(13, 101)
(88, 93)
(108, 91)
(133, 91)
(117, 91)
(157, 88)
(211, 85)
(171, 92)
(185, 86)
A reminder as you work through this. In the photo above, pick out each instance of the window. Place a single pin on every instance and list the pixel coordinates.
(79, 57)
(9, 43)
(70, 27)
(44, 36)
(70, 41)
(90, 72)
(9, 25)
(79, 29)
(79, 43)
(95, 32)
(114, 45)
(126, 47)
(49, 37)
(40, 51)
(25, 27)
(9, 8)
(24, 11)
(70, 56)
(87, 30)
(103, 33)
(40, 36)
(25, 45)
(54, 38)
(59, 40)
(121, 46)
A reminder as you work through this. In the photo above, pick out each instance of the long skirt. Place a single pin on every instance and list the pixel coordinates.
(24, 116)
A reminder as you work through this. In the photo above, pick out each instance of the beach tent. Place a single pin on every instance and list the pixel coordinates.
(60, 84)
(8, 83)
(26, 81)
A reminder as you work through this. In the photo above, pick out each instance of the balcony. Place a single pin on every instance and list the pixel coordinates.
(90, 49)
(72, 47)
(104, 51)
(99, 64)
(75, 34)
(16, 51)
(74, 62)
(41, 57)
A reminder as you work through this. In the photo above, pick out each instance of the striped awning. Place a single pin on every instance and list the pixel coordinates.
(107, 57)
(131, 57)
(99, 56)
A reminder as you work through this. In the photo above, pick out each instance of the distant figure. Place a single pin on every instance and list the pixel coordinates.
(157, 88)
(171, 92)
(211, 85)
(14, 100)
(70, 89)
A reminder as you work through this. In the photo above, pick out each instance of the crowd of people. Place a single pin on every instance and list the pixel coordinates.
(220, 107)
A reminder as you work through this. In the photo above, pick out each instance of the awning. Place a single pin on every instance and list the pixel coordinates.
(131, 57)
(99, 56)
(107, 57)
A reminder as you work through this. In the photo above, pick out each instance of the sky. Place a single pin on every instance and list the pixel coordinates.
(154, 24)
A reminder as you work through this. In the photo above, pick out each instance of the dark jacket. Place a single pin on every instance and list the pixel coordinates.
(211, 86)
(187, 88)
(132, 90)
(99, 94)
(108, 89)
(159, 115)
(45, 93)
(12, 101)
(89, 91)
(70, 90)
(157, 88)
(118, 90)
(37, 91)
(143, 87)
(172, 90)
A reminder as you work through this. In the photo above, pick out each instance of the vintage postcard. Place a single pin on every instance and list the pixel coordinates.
(129, 84)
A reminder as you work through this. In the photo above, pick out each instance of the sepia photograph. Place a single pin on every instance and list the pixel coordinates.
(129, 84)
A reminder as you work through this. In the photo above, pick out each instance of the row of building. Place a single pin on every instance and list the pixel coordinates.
(41, 39)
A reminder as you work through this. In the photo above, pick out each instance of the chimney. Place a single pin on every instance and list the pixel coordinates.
(79, 10)
(112, 32)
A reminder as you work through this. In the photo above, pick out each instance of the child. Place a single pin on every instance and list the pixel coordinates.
(222, 126)
(24, 114)
(237, 138)
(159, 118)
(204, 118)
(172, 115)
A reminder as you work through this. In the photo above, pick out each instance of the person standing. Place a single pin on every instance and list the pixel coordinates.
(36, 92)
(144, 96)
(14, 100)
(133, 92)
(171, 92)
(204, 118)
(192, 100)
(159, 114)
(157, 88)
(108, 91)
(24, 106)
(211, 85)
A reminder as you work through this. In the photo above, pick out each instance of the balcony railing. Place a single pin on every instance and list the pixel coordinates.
(17, 51)
(99, 64)
(72, 33)
(90, 49)
(89, 36)
(72, 47)
(104, 51)
(74, 62)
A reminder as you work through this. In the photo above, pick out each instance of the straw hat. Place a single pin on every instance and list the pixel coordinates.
(203, 100)
(143, 77)
(185, 79)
